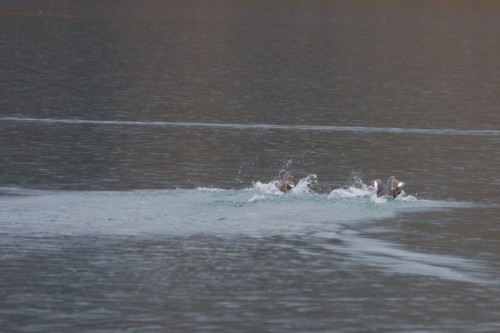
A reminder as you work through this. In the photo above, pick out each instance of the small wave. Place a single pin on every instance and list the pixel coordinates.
(257, 197)
(209, 189)
(392, 257)
(322, 128)
(19, 191)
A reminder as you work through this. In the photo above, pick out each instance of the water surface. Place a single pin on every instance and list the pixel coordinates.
(138, 139)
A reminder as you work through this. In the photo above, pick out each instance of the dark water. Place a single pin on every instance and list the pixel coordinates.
(137, 139)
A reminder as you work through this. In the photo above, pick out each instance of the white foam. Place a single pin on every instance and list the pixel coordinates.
(272, 188)
(304, 185)
(349, 192)
(358, 189)
(262, 209)
(267, 188)
(257, 197)
(209, 189)
(361, 190)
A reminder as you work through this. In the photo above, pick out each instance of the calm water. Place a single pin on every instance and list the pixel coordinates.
(137, 140)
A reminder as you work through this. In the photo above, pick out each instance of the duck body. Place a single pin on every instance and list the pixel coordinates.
(392, 188)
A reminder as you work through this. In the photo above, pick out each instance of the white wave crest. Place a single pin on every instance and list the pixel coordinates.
(350, 192)
(304, 185)
(357, 189)
(272, 188)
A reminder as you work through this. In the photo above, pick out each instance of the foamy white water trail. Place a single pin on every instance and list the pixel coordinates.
(323, 128)
(255, 211)
(261, 211)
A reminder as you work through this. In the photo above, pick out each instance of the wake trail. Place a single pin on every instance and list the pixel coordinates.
(284, 127)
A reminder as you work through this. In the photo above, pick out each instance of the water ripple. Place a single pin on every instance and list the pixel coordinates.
(322, 128)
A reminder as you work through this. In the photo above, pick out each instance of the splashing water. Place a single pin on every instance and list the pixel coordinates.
(358, 189)
(272, 188)
(249, 211)
(260, 211)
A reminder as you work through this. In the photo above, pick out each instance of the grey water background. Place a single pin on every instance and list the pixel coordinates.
(132, 132)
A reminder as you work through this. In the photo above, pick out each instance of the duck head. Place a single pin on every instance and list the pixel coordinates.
(395, 186)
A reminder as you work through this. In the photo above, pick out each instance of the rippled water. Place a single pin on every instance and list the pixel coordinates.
(250, 259)
(138, 140)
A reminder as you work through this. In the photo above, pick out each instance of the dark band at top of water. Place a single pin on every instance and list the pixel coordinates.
(332, 128)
